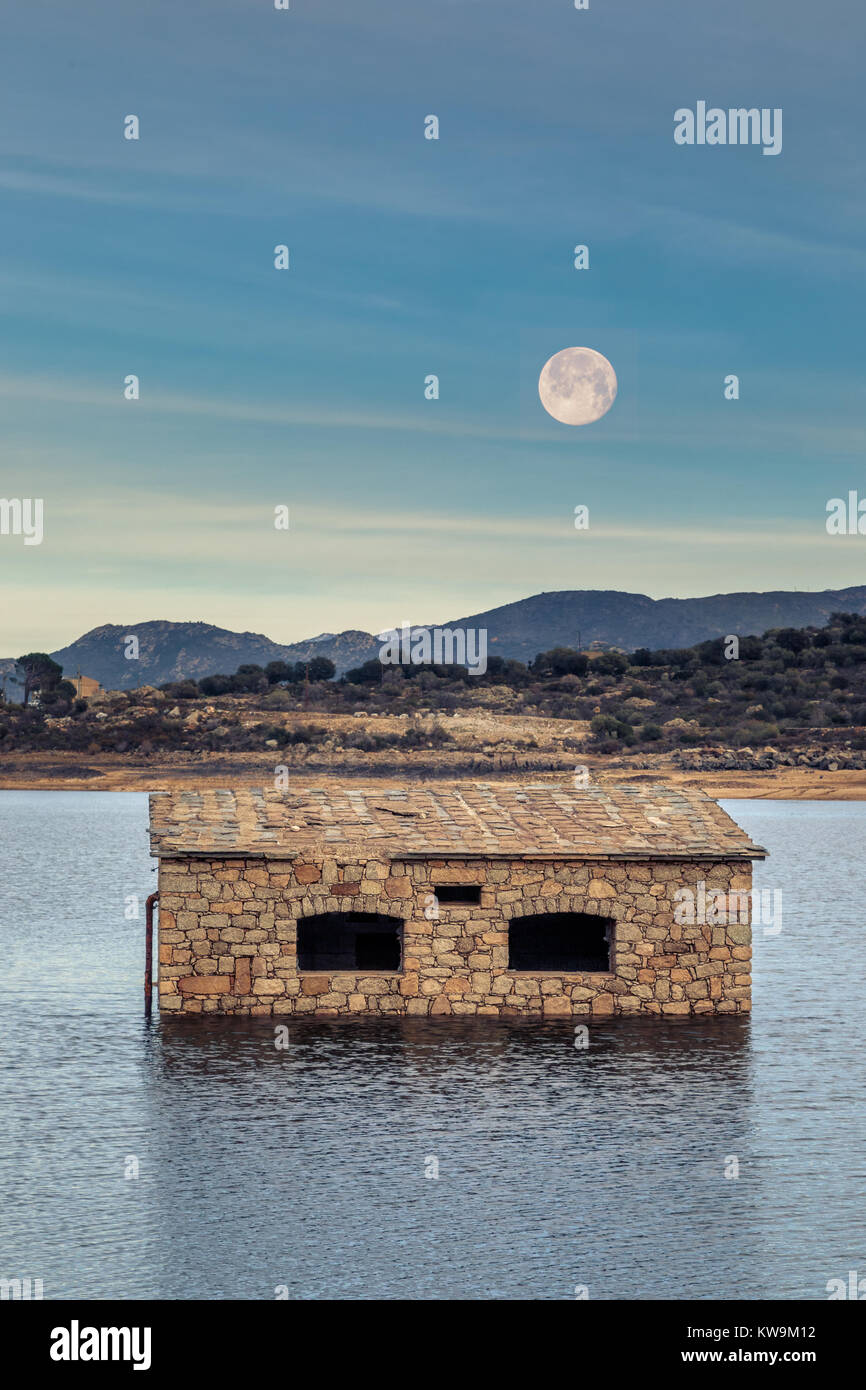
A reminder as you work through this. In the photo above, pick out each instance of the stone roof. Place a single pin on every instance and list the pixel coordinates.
(465, 820)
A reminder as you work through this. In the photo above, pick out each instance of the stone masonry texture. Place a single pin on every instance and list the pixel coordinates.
(228, 929)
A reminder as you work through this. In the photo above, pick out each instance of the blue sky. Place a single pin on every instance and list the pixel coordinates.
(411, 257)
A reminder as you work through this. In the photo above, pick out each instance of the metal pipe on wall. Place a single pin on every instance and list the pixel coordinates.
(148, 953)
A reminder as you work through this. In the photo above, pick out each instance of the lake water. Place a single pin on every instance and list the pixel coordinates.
(305, 1168)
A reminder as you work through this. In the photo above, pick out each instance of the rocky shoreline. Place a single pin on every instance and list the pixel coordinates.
(766, 759)
(740, 773)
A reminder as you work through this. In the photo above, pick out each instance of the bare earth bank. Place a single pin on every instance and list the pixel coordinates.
(121, 773)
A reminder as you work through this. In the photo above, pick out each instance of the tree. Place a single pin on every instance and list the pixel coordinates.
(751, 649)
(58, 698)
(181, 690)
(277, 671)
(505, 671)
(368, 674)
(560, 661)
(610, 664)
(608, 726)
(38, 672)
(215, 685)
(791, 638)
(321, 668)
(249, 678)
(712, 652)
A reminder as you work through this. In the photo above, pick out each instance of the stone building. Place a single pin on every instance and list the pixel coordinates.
(86, 687)
(465, 899)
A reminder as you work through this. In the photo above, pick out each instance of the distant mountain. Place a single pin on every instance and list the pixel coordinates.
(172, 651)
(345, 649)
(568, 616)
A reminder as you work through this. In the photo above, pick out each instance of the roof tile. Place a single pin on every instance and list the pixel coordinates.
(450, 820)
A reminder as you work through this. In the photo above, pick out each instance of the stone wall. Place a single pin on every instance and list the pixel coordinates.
(228, 935)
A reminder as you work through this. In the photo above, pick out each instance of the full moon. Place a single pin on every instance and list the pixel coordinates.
(577, 386)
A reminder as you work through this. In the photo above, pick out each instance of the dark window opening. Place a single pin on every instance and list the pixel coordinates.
(377, 950)
(335, 941)
(465, 893)
(560, 941)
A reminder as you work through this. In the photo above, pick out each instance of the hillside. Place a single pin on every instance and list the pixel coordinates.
(791, 702)
(520, 630)
(173, 651)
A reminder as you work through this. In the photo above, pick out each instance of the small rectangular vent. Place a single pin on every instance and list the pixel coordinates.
(460, 894)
